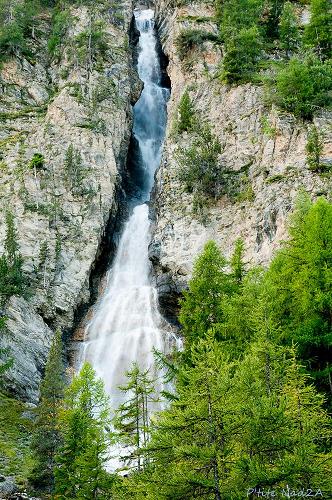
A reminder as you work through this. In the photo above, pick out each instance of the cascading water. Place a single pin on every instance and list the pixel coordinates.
(127, 324)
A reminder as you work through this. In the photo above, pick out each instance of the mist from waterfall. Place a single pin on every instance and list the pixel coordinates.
(126, 324)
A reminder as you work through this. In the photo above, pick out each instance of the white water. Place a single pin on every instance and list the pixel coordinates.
(126, 324)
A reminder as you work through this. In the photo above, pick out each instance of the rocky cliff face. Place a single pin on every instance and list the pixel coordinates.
(64, 136)
(262, 146)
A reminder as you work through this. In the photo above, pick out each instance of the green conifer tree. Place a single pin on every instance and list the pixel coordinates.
(318, 33)
(46, 437)
(314, 148)
(84, 423)
(288, 29)
(201, 305)
(237, 262)
(132, 420)
(186, 114)
(12, 280)
(299, 282)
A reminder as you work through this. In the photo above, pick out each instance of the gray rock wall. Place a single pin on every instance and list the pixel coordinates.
(265, 145)
(45, 108)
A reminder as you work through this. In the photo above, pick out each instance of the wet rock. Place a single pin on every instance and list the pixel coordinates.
(7, 486)
(69, 216)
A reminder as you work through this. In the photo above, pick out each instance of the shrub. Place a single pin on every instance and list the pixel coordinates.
(188, 40)
(242, 55)
(199, 169)
(11, 40)
(302, 87)
(288, 29)
(237, 15)
(61, 21)
(37, 161)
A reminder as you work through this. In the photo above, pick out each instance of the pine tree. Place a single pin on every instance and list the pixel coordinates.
(299, 282)
(46, 438)
(191, 441)
(242, 53)
(237, 262)
(314, 148)
(288, 29)
(84, 423)
(12, 280)
(186, 114)
(201, 305)
(132, 420)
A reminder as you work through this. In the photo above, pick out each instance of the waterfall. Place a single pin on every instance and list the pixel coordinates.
(126, 323)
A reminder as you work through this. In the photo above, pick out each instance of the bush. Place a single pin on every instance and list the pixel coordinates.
(188, 40)
(242, 55)
(11, 40)
(302, 87)
(199, 168)
(61, 21)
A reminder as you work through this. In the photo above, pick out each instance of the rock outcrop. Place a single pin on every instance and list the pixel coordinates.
(263, 147)
(64, 135)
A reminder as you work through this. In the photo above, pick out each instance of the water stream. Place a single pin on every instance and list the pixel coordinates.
(126, 323)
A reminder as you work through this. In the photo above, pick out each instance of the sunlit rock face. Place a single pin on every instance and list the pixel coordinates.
(266, 148)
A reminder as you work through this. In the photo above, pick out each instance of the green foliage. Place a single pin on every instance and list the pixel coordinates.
(37, 162)
(15, 431)
(288, 29)
(199, 169)
(80, 463)
(242, 54)
(237, 15)
(18, 23)
(186, 114)
(6, 361)
(235, 424)
(299, 282)
(303, 87)
(11, 40)
(91, 45)
(191, 39)
(132, 419)
(61, 22)
(201, 305)
(318, 33)
(46, 434)
(314, 148)
(12, 279)
(270, 19)
(237, 263)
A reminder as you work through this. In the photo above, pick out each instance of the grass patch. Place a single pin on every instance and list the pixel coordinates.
(15, 432)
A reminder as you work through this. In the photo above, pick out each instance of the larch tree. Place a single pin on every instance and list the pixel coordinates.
(46, 436)
(80, 470)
